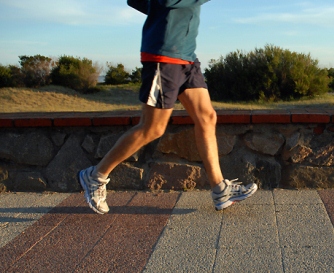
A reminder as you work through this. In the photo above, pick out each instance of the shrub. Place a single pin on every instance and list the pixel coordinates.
(268, 74)
(78, 74)
(5, 76)
(135, 76)
(116, 75)
(36, 70)
(11, 76)
(331, 78)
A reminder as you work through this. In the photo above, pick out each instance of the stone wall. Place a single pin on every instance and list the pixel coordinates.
(38, 158)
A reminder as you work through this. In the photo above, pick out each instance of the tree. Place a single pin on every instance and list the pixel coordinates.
(116, 75)
(5, 76)
(135, 76)
(271, 73)
(11, 76)
(78, 74)
(36, 70)
(331, 78)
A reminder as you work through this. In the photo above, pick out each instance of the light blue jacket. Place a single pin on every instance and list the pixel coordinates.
(171, 27)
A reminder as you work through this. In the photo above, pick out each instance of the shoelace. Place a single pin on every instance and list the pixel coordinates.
(102, 192)
(235, 186)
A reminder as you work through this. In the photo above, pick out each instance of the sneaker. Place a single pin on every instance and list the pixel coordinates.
(95, 190)
(233, 192)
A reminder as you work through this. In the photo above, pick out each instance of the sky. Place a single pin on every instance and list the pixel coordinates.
(110, 31)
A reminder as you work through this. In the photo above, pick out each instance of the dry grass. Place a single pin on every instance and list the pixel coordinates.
(112, 98)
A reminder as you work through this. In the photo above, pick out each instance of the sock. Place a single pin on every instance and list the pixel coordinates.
(219, 188)
(97, 174)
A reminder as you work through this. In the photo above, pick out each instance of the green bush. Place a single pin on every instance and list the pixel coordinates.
(11, 76)
(36, 70)
(5, 76)
(269, 74)
(135, 76)
(331, 78)
(78, 74)
(116, 74)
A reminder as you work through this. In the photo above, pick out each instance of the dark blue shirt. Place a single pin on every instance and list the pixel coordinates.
(171, 27)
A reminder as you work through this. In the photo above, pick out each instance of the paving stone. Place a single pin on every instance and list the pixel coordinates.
(249, 226)
(27, 240)
(288, 197)
(308, 259)
(190, 238)
(15, 216)
(300, 229)
(127, 245)
(249, 260)
(327, 197)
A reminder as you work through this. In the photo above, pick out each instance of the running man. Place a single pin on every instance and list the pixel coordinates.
(171, 71)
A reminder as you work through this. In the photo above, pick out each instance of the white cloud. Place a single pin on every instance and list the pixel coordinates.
(307, 15)
(70, 12)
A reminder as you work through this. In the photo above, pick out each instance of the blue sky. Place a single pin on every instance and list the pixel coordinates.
(110, 31)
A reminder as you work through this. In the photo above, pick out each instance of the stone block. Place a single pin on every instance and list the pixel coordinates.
(298, 176)
(61, 173)
(108, 141)
(298, 154)
(176, 176)
(3, 187)
(266, 143)
(323, 156)
(250, 167)
(30, 148)
(3, 174)
(105, 144)
(58, 138)
(232, 129)
(292, 141)
(181, 143)
(225, 143)
(125, 176)
(88, 144)
(29, 181)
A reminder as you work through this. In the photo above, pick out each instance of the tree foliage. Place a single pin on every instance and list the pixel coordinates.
(5, 76)
(36, 70)
(271, 73)
(78, 74)
(116, 74)
(135, 76)
(331, 78)
(11, 76)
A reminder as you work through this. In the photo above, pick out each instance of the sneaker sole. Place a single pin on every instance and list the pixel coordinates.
(231, 201)
(88, 200)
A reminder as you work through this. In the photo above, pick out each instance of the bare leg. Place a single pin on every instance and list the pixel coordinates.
(152, 125)
(197, 102)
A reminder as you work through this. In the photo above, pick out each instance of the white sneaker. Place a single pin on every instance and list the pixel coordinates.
(233, 192)
(95, 190)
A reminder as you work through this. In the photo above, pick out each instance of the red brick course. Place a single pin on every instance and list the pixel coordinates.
(179, 117)
(310, 116)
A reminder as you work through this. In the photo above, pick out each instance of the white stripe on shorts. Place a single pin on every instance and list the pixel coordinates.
(156, 88)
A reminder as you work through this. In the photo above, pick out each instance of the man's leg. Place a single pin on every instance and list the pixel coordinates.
(224, 192)
(197, 102)
(152, 125)
(95, 178)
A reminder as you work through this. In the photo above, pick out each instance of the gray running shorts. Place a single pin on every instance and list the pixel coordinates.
(162, 83)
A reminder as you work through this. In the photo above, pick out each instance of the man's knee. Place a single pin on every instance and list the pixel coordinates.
(213, 117)
(157, 132)
(208, 119)
(151, 133)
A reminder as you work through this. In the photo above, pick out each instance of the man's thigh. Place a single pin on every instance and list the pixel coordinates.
(197, 102)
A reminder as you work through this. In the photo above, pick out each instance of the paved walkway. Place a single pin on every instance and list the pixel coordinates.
(274, 231)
